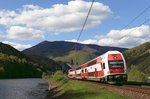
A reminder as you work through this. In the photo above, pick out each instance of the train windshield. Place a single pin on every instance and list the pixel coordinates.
(116, 64)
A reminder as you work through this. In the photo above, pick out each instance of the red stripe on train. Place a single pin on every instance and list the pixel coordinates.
(116, 70)
(93, 74)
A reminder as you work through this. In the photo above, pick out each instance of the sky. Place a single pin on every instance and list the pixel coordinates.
(25, 23)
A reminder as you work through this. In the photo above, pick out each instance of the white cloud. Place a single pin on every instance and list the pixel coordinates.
(126, 37)
(89, 41)
(24, 33)
(7, 13)
(58, 18)
(121, 38)
(17, 45)
(73, 40)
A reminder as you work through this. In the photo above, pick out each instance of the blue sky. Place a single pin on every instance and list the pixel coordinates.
(24, 23)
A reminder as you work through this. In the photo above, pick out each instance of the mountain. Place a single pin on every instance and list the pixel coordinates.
(65, 51)
(14, 64)
(140, 57)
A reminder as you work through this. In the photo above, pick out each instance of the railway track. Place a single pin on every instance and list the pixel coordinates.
(134, 92)
(138, 89)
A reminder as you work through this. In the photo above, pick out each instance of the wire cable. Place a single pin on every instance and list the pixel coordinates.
(80, 33)
(85, 20)
(134, 29)
(137, 17)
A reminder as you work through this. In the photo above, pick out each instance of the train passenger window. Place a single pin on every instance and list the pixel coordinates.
(82, 70)
(92, 63)
(103, 65)
(85, 70)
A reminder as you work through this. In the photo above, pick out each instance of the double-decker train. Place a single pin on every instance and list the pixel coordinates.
(109, 67)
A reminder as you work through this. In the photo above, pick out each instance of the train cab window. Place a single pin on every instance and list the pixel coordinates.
(116, 64)
(103, 65)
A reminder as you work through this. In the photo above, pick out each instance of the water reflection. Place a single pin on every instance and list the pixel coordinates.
(23, 89)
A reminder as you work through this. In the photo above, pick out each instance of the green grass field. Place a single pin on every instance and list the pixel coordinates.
(79, 90)
(73, 89)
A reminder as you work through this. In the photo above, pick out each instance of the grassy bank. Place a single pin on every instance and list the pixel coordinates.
(73, 89)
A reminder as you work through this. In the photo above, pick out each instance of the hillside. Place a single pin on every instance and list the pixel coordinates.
(9, 50)
(45, 63)
(14, 64)
(65, 51)
(140, 57)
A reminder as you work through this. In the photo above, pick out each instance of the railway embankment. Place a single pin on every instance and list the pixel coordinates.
(60, 87)
(130, 91)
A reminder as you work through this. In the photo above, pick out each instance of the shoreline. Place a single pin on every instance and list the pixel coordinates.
(53, 90)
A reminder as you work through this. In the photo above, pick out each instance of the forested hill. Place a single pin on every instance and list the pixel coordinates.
(140, 57)
(14, 64)
(65, 51)
(9, 50)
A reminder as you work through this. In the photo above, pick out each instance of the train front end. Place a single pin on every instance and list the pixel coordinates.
(116, 68)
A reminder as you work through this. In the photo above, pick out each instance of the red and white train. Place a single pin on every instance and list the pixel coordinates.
(109, 67)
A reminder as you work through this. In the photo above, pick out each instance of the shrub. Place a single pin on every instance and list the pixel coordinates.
(136, 75)
(60, 77)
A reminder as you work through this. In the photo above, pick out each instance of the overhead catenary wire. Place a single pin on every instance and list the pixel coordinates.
(80, 33)
(146, 21)
(85, 20)
(137, 28)
(140, 25)
(136, 17)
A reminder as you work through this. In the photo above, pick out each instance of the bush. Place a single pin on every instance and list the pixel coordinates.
(46, 76)
(136, 75)
(59, 77)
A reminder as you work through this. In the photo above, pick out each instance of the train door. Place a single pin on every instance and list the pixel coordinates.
(96, 73)
(82, 73)
(86, 73)
(104, 68)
